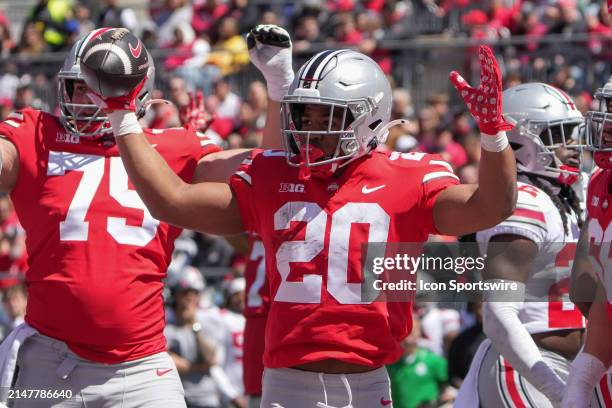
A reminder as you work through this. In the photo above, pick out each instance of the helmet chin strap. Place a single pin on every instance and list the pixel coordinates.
(388, 126)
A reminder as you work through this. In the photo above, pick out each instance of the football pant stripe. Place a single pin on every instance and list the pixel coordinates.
(602, 392)
(511, 380)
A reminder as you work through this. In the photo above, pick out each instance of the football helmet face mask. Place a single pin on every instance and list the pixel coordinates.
(342, 95)
(547, 126)
(599, 127)
(86, 119)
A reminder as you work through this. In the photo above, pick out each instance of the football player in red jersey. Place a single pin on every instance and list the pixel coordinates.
(315, 202)
(593, 266)
(97, 257)
(257, 303)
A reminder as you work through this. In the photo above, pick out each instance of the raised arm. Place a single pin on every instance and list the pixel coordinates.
(464, 209)
(206, 207)
(270, 51)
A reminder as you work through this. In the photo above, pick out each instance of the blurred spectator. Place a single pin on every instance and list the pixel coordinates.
(82, 14)
(14, 301)
(345, 32)
(9, 82)
(54, 21)
(171, 15)
(13, 257)
(6, 107)
(468, 174)
(112, 15)
(177, 91)
(32, 43)
(434, 140)
(206, 14)
(419, 375)
(229, 52)
(439, 326)
(307, 32)
(191, 352)
(188, 58)
(252, 116)
(464, 347)
(6, 42)
(233, 324)
(25, 97)
(227, 108)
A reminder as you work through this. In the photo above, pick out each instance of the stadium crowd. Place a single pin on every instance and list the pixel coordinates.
(200, 44)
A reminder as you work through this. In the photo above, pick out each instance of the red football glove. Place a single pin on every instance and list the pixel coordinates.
(125, 102)
(194, 113)
(484, 102)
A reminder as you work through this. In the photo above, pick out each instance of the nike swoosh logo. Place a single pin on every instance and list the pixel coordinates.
(163, 372)
(366, 190)
(384, 402)
(136, 51)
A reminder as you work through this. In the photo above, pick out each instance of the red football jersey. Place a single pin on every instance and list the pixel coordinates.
(257, 299)
(256, 307)
(312, 233)
(96, 255)
(599, 207)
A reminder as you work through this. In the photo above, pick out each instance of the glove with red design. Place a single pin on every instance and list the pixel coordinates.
(120, 110)
(194, 114)
(484, 102)
(125, 102)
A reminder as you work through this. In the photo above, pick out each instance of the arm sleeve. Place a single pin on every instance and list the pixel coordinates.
(501, 324)
(242, 184)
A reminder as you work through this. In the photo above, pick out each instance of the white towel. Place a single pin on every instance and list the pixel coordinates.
(468, 393)
(8, 356)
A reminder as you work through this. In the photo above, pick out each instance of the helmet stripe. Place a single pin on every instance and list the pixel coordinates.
(565, 97)
(88, 38)
(323, 65)
(309, 70)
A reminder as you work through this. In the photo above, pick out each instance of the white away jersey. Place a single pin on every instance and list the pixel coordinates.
(537, 218)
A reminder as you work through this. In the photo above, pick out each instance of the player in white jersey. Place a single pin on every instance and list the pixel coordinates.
(533, 332)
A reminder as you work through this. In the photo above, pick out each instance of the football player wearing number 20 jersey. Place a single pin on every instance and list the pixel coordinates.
(315, 203)
(594, 259)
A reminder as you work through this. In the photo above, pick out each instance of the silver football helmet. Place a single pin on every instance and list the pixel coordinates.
(545, 119)
(87, 119)
(599, 124)
(357, 95)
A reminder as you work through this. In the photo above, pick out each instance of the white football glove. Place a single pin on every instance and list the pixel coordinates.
(270, 51)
